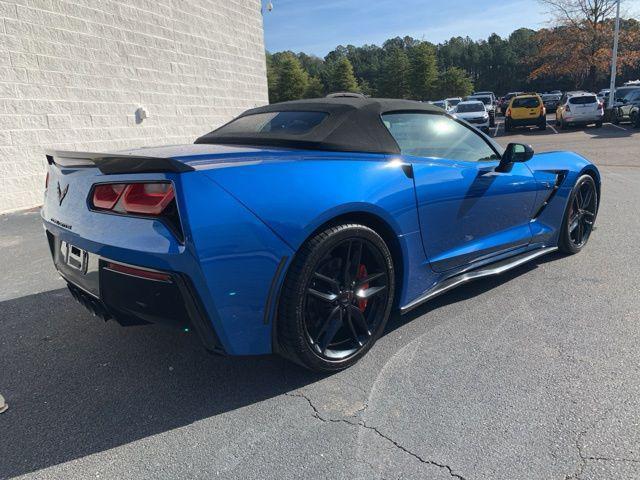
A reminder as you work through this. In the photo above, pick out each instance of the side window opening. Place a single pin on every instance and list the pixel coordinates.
(438, 136)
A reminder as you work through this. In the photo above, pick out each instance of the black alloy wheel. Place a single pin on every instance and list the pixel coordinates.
(580, 215)
(337, 298)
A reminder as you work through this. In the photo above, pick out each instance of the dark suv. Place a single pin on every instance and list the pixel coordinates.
(622, 112)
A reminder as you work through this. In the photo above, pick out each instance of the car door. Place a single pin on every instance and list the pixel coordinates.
(467, 210)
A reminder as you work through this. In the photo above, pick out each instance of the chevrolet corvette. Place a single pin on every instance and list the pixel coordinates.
(298, 227)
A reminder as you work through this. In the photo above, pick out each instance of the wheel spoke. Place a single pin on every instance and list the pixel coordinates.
(327, 297)
(587, 198)
(369, 279)
(359, 318)
(331, 281)
(580, 231)
(352, 329)
(574, 223)
(370, 292)
(326, 324)
(333, 327)
(347, 264)
(579, 195)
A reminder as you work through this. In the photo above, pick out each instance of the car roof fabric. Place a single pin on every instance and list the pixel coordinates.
(352, 125)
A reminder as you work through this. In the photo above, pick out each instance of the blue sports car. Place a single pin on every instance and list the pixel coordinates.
(298, 227)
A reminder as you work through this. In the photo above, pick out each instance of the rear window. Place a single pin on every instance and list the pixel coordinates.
(526, 102)
(288, 123)
(470, 107)
(583, 100)
(485, 100)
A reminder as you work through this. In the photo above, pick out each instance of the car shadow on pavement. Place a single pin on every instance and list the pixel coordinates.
(76, 385)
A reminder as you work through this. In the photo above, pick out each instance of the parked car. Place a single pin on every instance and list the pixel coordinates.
(556, 92)
(579, 108)
(473, 112)
(297, 227)
(441, 104)
(453, 101)
(494, 99)
(488, 104)
(550, 101)
(611, 113)
(634, 115)
(504, 102)
(525, 110)
(623, 109)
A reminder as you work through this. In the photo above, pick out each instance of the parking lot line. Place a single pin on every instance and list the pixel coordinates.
(495, 132)
(618, 126)
(552, 128)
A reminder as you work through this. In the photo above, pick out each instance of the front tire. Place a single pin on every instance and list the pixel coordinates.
(336, 298)
(580, 215)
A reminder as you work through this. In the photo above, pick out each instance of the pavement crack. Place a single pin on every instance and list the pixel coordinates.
(361, 423)
(413, 454)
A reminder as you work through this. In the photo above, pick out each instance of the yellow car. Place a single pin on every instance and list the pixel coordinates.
(526, 109)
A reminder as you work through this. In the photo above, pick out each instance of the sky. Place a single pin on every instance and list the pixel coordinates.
(318, 26)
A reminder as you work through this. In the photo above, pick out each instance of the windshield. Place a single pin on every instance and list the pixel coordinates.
(454, 101)
(289, 123)
(622, 92)
(440, 104)
(548, 97)
(470, 107)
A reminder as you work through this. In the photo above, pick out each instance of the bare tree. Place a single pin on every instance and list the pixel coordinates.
(585, 27)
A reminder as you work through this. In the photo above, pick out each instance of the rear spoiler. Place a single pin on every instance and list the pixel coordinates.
(112, 163)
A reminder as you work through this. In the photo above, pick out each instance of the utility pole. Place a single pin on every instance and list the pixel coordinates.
(614, 59)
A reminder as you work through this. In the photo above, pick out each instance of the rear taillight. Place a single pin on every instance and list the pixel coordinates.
(150, 198)
(508, 114)
(146, 199)
(600, 106)
(106, 196)
(567, 109)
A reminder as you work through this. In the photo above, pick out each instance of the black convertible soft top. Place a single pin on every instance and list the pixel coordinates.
(352, 124)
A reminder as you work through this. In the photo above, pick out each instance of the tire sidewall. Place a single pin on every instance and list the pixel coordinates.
(299, 276)
(565, 244)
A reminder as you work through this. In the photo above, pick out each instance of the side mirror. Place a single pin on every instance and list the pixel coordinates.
(515, 152)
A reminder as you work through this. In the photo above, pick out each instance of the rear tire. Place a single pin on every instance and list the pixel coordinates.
(579, 216)
(542, 125)
(336, 298)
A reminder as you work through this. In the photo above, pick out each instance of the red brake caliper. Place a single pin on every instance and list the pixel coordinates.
(362, 273)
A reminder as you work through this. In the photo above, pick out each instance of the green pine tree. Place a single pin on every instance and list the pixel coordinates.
(315, 88)
(342, 78)
(291, 81)
(423, 75)
(394, 81)
(454, 82)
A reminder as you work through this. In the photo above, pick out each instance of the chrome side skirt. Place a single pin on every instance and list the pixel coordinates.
(489, 270)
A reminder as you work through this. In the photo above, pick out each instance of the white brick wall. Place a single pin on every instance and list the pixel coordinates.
(72, 74)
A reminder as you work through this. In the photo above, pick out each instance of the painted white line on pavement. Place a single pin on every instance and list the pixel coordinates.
(618, 126)
(495, 132)
(552, 128)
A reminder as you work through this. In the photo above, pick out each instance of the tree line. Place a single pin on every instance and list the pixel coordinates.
(575, 53)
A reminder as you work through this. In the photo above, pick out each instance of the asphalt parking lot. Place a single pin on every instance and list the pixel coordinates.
(532, 375)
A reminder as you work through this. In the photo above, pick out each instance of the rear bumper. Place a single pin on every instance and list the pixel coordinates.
(586, 119)
(131, 299)
(526, 122)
